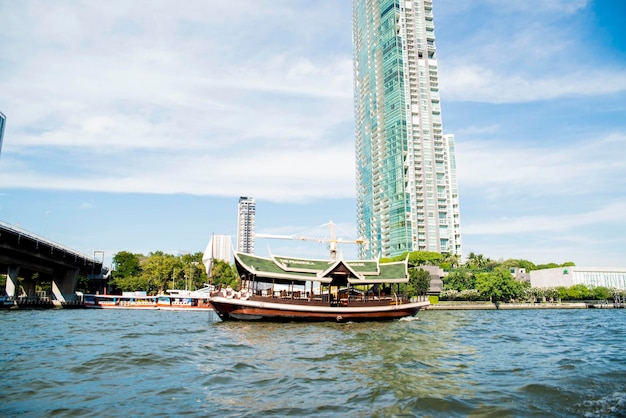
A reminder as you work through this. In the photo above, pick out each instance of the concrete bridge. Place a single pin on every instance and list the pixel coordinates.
(24, 254)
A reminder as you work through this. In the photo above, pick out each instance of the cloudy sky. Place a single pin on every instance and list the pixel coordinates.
(137, 125)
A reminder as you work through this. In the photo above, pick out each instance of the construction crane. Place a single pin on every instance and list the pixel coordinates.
(332, 241)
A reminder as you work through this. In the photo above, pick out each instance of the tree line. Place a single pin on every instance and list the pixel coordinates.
(483, 279)
(478, 278)
(158, 272)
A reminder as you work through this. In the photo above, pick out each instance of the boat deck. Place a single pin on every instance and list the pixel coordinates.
(302, 298)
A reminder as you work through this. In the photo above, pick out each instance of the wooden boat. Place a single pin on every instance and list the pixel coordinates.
(127, 300)
(297, 289)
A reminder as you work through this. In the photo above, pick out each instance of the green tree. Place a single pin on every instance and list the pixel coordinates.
(454, 260)
(460, 279)
(577, 292)
(162, 271)
(194, 273)
(525, 264)
(499, 285)
(224, 274)
(425, 258)
(126, 264)
(417, 258)
(477, 261)
(419, 281)
(601, 293)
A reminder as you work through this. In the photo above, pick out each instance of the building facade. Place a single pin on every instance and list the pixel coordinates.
(245, 225)
(222, 248)
(407, 194)
(3, 120)
(219, 248)
(611, 277)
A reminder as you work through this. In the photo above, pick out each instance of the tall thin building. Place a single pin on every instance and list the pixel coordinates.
(3, 120)
(407, 194)
(245, 225)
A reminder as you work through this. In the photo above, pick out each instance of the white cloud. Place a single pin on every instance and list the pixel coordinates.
(611, 213)
(500, 169)
(520, 51)
(477, 83)
(146, 97)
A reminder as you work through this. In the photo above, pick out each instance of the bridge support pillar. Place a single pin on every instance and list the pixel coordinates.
(12, 281)
(64, 285)
(29, 287)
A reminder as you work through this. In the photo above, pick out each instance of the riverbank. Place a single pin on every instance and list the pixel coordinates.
(451, 306)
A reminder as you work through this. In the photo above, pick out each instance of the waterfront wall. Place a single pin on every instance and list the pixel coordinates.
(452, 306)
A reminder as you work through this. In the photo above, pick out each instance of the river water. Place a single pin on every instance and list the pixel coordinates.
(97, 363)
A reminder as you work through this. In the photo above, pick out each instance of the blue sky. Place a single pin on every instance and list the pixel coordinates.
(137, 125)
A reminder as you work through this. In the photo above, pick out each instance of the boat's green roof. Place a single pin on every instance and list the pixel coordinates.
(292, 269)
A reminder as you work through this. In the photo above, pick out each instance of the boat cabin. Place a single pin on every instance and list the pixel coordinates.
(335, 282)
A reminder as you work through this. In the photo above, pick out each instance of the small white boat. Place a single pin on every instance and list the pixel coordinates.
(182, 300)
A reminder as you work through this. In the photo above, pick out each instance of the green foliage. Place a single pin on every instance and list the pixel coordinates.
(525, 264)
(418, 258)
(425, 258)
(225, 274)
(460, 279)
(162, 269)
(419, 282)
(555, 265)
(134, 283)
(577, 292)
(126, 264)
(499, 285)
(470, 295)
(476, 261)
(601, 293)
(450, 294)
(562, 292)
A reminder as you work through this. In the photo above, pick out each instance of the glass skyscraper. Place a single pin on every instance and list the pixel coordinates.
(407, 194)
(3, 120)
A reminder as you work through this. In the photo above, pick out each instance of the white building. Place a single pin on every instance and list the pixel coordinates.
(407, 194)
(222, 247)
(611, 277)
(245, 225)
(219, 248)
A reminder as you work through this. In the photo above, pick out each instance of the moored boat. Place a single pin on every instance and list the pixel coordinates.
(182, 300)
(127, 300)
(297, 289)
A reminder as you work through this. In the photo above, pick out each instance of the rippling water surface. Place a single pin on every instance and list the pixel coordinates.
(447, 363)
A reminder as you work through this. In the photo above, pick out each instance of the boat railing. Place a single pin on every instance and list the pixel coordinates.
(338, 300)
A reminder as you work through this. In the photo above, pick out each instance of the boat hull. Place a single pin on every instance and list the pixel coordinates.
(248, 310)
(101, 305)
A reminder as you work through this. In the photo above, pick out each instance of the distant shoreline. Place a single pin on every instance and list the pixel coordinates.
(510, 306)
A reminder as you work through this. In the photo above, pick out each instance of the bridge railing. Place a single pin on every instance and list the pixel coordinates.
(16, 229)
